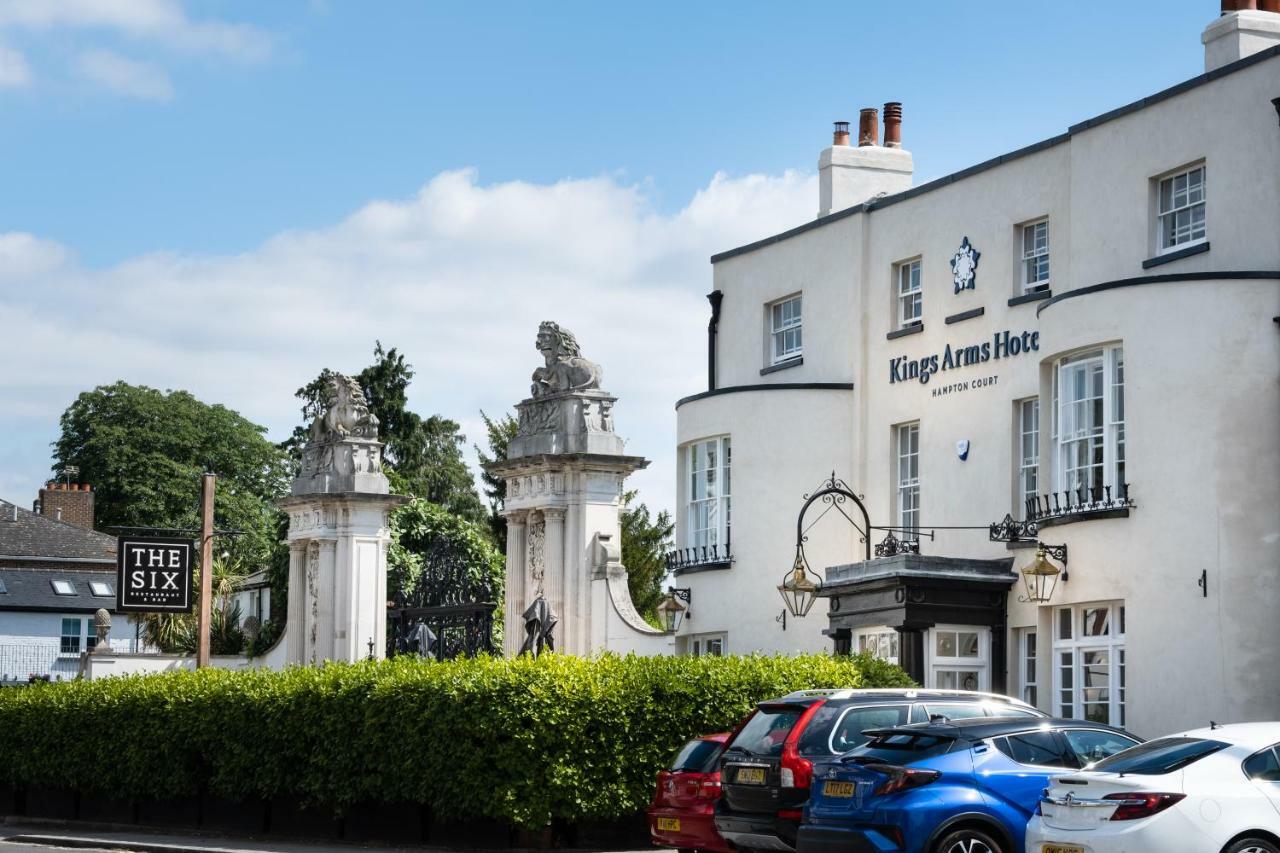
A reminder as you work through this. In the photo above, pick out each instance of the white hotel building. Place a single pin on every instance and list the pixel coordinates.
(1083, 334)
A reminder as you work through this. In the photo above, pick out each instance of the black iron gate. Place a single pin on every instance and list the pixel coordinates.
(441, 607)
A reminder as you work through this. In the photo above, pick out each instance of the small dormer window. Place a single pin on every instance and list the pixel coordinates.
(63, 587)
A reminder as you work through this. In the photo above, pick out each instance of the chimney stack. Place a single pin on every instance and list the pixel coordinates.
(850, 175)
(868, 127)
(72, 503)
(1244, 28)
(893, 124)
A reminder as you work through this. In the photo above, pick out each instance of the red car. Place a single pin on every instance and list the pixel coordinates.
(682, 814)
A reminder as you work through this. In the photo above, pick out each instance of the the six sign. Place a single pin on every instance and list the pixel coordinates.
(153, 575)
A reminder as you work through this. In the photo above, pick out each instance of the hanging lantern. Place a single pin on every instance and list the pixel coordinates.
(799, 590)
(1040, 578)
(671, 611)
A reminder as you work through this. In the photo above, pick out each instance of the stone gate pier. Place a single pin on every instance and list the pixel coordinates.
(565, 472)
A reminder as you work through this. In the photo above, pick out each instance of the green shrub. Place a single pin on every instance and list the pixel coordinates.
(523, 740)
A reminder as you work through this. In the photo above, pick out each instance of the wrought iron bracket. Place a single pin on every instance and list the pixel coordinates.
(891, 546)
(1010, 529)
(835, 493)
(1057, 552)
(685, 593)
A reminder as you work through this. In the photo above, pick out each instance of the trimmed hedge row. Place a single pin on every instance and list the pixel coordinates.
(523, 740)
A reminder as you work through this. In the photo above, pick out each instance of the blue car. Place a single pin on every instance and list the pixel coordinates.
(963, 786)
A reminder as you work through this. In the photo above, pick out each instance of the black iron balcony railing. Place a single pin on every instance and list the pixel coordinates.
(1056, 507)
(1081, 501)
(701, 556)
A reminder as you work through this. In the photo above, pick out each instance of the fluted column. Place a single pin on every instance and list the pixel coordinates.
(514, 596)
(295, 625)
(555, 572)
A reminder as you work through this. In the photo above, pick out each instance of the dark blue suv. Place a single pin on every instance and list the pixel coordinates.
(963, 786)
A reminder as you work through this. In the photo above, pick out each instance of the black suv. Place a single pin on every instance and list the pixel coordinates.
(767, 764)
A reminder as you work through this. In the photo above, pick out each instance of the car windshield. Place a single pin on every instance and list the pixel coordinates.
(901, 748)
(1158, 757)
(766, 730)
(698, 756)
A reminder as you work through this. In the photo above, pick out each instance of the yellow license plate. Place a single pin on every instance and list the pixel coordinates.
(837, 789)
(669, 824)
(1061, 848)
(750, 776)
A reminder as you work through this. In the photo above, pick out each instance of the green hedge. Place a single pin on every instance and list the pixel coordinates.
(523, 740)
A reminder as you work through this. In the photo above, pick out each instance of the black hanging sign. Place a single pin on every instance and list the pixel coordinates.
(153, 575)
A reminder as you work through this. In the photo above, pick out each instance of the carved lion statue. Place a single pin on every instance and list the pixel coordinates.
(566, 369)
(346, 412)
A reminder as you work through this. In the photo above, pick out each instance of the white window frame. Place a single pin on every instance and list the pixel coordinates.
(715, 498)
(1028, 681)
(1073, 700)
(1034, 259)
(786, 333)
(1105, 437)
(909, 293)
(881, 641)
(1028, 450)
(936, 663)
(708, 645)
(906, 456)
(1181, 206)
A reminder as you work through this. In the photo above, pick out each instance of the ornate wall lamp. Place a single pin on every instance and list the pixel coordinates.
(799, 587)
(671, 611)
(1041, 576)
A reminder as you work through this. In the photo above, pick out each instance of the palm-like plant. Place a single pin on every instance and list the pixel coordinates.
(179, 633)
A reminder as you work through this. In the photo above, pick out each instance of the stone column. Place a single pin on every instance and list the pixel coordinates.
(514, 596)
(295, 617)
(554, 566)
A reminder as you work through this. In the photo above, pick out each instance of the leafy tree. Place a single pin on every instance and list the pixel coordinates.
(645, 541)
(500, 432)
(423, 455)
(144, 451)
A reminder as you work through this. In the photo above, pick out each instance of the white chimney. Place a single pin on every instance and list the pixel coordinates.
(849, 175)
(1246, 27)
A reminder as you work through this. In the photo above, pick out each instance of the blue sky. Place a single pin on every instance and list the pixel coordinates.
(268, 167)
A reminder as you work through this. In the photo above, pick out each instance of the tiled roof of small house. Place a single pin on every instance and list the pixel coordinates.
(24, 534)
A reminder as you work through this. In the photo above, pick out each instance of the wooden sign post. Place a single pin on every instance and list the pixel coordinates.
(206, 569)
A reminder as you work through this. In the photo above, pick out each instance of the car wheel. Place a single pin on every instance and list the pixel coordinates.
(1252, 845)
(968, 841)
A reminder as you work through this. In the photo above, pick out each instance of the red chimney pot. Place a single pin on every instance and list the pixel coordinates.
(893, 124)
(868, 127)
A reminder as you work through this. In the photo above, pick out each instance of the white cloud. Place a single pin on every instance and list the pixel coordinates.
(14, 71)
(124, 76)
(163, 22)
(458, 277)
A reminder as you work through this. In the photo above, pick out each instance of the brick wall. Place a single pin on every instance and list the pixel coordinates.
(74, 501)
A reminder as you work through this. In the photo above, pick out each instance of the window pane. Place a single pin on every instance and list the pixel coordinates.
(968, 644)
(1090, 745)
(1039, 748)
(1097, 621)
(1064, 624)
(946, 644)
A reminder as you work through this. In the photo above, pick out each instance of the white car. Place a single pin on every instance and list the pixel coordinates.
(1214, 790)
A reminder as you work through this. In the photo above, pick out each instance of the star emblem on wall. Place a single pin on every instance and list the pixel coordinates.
(964, 266)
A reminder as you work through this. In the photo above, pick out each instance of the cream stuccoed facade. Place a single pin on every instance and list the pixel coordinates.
(1080, 335)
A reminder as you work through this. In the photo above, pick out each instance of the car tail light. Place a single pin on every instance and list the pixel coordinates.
(902, 779)
(1139, 805)
(791, 814)
(710, 788)
(797, 772)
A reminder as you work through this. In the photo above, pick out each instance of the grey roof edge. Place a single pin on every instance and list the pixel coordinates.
(22, 558)
(1035, 147)
(988, 570)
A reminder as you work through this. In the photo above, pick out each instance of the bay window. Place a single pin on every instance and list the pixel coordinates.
(708, 516)
(1088, 422)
